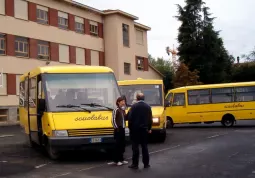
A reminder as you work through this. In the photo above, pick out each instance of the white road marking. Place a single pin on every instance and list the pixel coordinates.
(39, 166)
(233, 154)
(213, 136)
(3, 136)
(201, 150)
(3, 161)
(60, 175)
(93, 167)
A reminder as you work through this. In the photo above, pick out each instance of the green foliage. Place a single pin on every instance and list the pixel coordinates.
(200, 46)
(243, 72)
(250, 57)
(166, 68)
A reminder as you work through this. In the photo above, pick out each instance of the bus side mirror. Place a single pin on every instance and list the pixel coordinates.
(42, 105)
(167, 103)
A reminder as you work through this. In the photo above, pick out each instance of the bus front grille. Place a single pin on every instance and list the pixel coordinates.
(90, 132)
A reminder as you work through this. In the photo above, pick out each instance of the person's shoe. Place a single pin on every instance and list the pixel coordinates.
(124, 162)
(147, 166)
(111, 163)
(133, 166)
(119, 164)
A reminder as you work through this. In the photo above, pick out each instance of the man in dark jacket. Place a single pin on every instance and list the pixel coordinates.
(140, 122)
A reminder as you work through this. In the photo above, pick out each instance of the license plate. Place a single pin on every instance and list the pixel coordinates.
(96, 140)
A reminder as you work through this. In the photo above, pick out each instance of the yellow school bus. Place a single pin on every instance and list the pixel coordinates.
(225, 103)
(68, 107)
(154, 96)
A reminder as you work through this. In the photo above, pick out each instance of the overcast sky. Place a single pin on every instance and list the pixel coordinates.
(235, 19)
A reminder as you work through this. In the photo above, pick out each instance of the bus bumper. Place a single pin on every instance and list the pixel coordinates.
(82, 143)
(158, 130)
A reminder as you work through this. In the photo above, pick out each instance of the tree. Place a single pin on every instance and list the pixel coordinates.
(165, 67)
(200, 47)
(250, 57)
(184, 77)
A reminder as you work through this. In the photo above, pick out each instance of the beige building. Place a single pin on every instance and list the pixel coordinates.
(52, 32)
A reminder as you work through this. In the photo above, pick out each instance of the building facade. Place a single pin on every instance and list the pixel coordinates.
(61, 32)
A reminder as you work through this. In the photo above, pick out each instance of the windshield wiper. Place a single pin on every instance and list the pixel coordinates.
(97, 105)
(72, 106)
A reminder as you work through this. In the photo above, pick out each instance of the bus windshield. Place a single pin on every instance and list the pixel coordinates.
(81, 90)
(152, 93)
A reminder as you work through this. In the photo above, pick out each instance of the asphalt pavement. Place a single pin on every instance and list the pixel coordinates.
(194, 151)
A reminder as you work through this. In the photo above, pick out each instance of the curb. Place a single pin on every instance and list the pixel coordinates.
(3, 124)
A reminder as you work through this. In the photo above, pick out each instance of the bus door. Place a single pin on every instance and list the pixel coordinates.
(34, 118)
(178, 108)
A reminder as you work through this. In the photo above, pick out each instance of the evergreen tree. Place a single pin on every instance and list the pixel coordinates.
(200, 46)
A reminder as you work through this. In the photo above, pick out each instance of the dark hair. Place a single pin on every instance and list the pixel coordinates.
(119, 100)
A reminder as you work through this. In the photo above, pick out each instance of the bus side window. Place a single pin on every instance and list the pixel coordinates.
(179, 99)
(168, 100)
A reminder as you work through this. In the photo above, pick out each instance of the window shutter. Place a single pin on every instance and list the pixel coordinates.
(32, 12)
(54, 52)
(53, 17)
(87, 57)
(101, 59)
(11, 84)
(71, 22)
(9, 7)
(72, 53)
(87, 27)
(100, 30)
(146, 64)
(136, 62)
(10, 45)
(33, 53)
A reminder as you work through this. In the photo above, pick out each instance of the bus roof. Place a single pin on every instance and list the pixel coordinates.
(140, 81)
(68, 69)
(193, 87)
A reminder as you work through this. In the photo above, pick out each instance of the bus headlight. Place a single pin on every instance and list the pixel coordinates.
(155, 120)
(60, 133)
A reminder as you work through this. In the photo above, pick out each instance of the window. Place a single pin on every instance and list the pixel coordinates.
(64, 53)
(80, 56)
(43, 50)
(93, 28)
(22, 94)
(21, 9)
(94, 58)
(17, 84)
(222, 95)
(245, 94)
(2, 44)
(3, 84)
(2, 7)
(32, 92)
(125, 31)
(179, 99)
(21, 47)
(168, 100)
(62, 20)
(140, 63)
(42, 14)
(199, 97)
(139, 37)
(79, 25)
(127, 68)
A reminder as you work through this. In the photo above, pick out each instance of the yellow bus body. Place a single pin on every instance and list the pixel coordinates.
(158, 128)
(70, 128)
(223, 103)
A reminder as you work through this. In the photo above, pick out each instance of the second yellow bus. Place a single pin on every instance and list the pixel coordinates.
(225, 103)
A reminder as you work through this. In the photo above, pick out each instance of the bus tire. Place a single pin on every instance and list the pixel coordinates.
(228, 120)
(170, 123)
(52, 153)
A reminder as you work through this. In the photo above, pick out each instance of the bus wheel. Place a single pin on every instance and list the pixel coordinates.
(52, 153)
(228, 120)
(170, 123)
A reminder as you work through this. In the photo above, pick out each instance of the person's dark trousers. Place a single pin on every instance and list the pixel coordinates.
(119, 136)
(140, 137)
